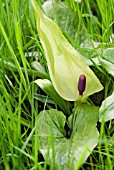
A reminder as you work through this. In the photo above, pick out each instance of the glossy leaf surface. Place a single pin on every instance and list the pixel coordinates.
(64, 152)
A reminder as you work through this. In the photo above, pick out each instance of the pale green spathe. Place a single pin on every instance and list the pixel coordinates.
(64, 63)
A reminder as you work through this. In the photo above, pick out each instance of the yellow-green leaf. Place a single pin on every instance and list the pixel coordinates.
(65, 64)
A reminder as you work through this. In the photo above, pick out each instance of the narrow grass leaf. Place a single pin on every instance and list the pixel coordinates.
(12, 53)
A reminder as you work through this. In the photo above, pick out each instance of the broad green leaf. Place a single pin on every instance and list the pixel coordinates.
(66, 18)
(107, 60)
(65, 64)
(63, 15)
(56, 147)
(48, 88)
(106, 111)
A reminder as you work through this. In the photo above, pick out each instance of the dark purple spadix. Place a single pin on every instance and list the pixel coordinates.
(81, 84)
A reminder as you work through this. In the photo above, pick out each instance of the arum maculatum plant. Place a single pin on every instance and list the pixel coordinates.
(71, 80)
